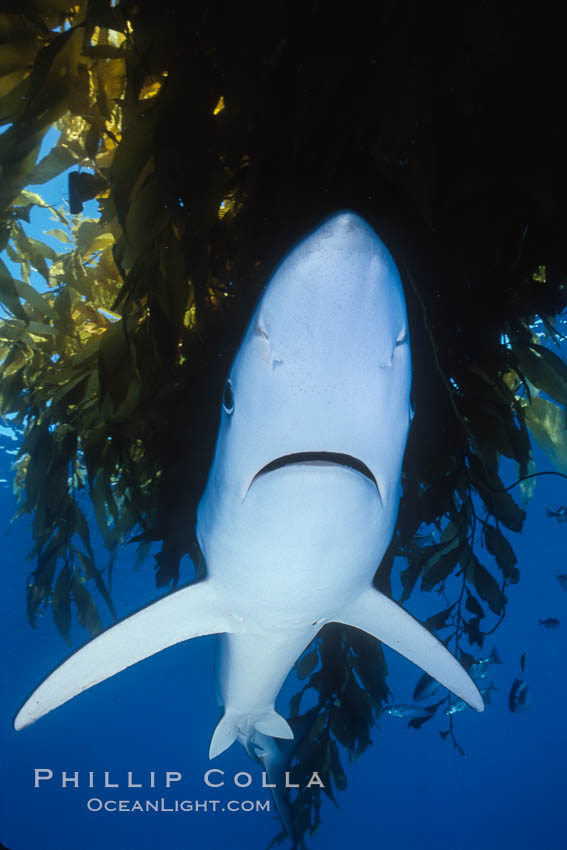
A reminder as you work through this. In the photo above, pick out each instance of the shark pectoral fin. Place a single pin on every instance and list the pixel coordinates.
(384, 619)
(190, 612)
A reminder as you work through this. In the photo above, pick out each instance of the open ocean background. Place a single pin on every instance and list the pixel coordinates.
(411, 789)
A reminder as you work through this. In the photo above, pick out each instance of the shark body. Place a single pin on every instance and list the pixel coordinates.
(302, 496)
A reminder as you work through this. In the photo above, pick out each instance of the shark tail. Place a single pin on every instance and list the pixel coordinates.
(378, 615)
(232, 725)
(276, 758)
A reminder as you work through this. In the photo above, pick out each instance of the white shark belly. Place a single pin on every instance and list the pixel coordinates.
(309, 540)
(290, 562)
(250, 680)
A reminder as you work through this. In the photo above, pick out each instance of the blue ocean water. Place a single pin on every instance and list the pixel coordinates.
(410, 789)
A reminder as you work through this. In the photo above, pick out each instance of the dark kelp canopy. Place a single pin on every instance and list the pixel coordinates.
(213, 139)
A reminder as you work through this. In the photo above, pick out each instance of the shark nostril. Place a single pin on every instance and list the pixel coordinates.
(260, 330)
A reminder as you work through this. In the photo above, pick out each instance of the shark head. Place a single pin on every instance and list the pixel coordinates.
(322, 377)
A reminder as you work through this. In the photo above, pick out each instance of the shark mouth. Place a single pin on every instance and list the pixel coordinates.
(318, 459)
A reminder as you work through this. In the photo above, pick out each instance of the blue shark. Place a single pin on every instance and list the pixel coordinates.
(302, 496)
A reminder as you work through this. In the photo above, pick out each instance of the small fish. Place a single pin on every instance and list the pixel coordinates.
(560, 513)
(550, 623)
(459, 705)
(455, 707)
(422, 540)
(523, 662)
(409, 712)
(416, 715)
(519, 699)
(419, 542)
(479, 668)
(562, 579)
(426, 687)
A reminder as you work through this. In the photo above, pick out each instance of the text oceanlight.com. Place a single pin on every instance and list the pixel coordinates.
(95, 804)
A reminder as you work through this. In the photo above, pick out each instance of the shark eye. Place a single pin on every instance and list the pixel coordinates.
(228, 397)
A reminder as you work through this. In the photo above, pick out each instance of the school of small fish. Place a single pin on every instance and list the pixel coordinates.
(519, 698)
